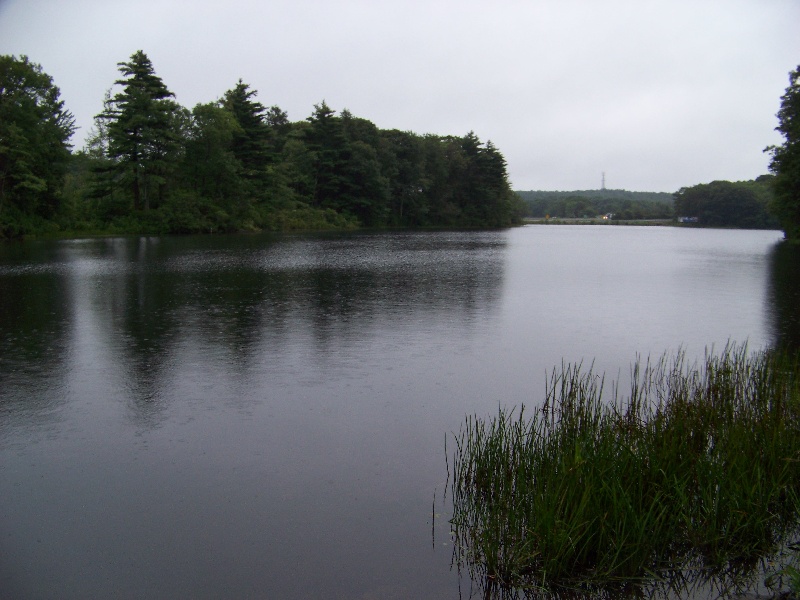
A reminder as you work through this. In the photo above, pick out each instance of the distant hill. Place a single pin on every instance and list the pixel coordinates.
(663, 197)
(590, 203)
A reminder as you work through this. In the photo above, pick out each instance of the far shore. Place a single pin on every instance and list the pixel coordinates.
(597, 221)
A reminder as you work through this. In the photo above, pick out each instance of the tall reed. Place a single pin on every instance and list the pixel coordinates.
(698, 466)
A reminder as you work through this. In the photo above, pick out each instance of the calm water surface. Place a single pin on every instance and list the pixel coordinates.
(265, 417)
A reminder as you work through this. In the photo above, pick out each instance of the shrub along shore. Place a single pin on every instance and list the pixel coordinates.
(697, 471)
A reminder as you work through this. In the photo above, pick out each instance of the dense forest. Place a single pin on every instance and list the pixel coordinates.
(152, 166)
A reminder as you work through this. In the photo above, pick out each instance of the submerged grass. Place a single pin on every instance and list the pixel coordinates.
(698, 468)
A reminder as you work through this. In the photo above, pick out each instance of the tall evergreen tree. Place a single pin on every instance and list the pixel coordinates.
(35, 129)
(144, 130)
(786, 160)
(326, 139)
(252, 143)
(506, 208)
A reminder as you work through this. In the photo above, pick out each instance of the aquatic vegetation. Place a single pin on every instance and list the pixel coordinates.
(696, 471)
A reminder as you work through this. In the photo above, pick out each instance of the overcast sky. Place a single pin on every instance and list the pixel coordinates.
(656, 94)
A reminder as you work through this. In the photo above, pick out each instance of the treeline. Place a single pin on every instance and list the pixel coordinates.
(622, 204)
(604, 194)
(151, 165)
(743, 204)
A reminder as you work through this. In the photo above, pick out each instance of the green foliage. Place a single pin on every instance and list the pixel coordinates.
(330, 149)
(251, 141)
(144, 132)
(150, 166)
(728, 204)
(302, 217)
(35, 129)
(698, 468)
(401, 155)
(592, 203)
(210, 167)
(785, 162)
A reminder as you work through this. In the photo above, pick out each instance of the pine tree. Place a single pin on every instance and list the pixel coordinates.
(144, 130)
(327, 140)
(252, 143)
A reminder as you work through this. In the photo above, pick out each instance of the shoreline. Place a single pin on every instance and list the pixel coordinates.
(598, 221)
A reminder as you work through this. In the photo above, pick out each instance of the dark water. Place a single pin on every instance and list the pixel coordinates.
(265, 417)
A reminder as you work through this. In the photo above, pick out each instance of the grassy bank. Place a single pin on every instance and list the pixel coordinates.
(697, 469)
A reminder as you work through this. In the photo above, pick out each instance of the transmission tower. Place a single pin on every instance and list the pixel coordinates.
(603, 185)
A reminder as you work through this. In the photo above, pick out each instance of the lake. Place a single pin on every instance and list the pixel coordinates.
(265, 416)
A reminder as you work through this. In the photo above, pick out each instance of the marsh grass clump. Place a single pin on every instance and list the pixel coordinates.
(698, 468)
